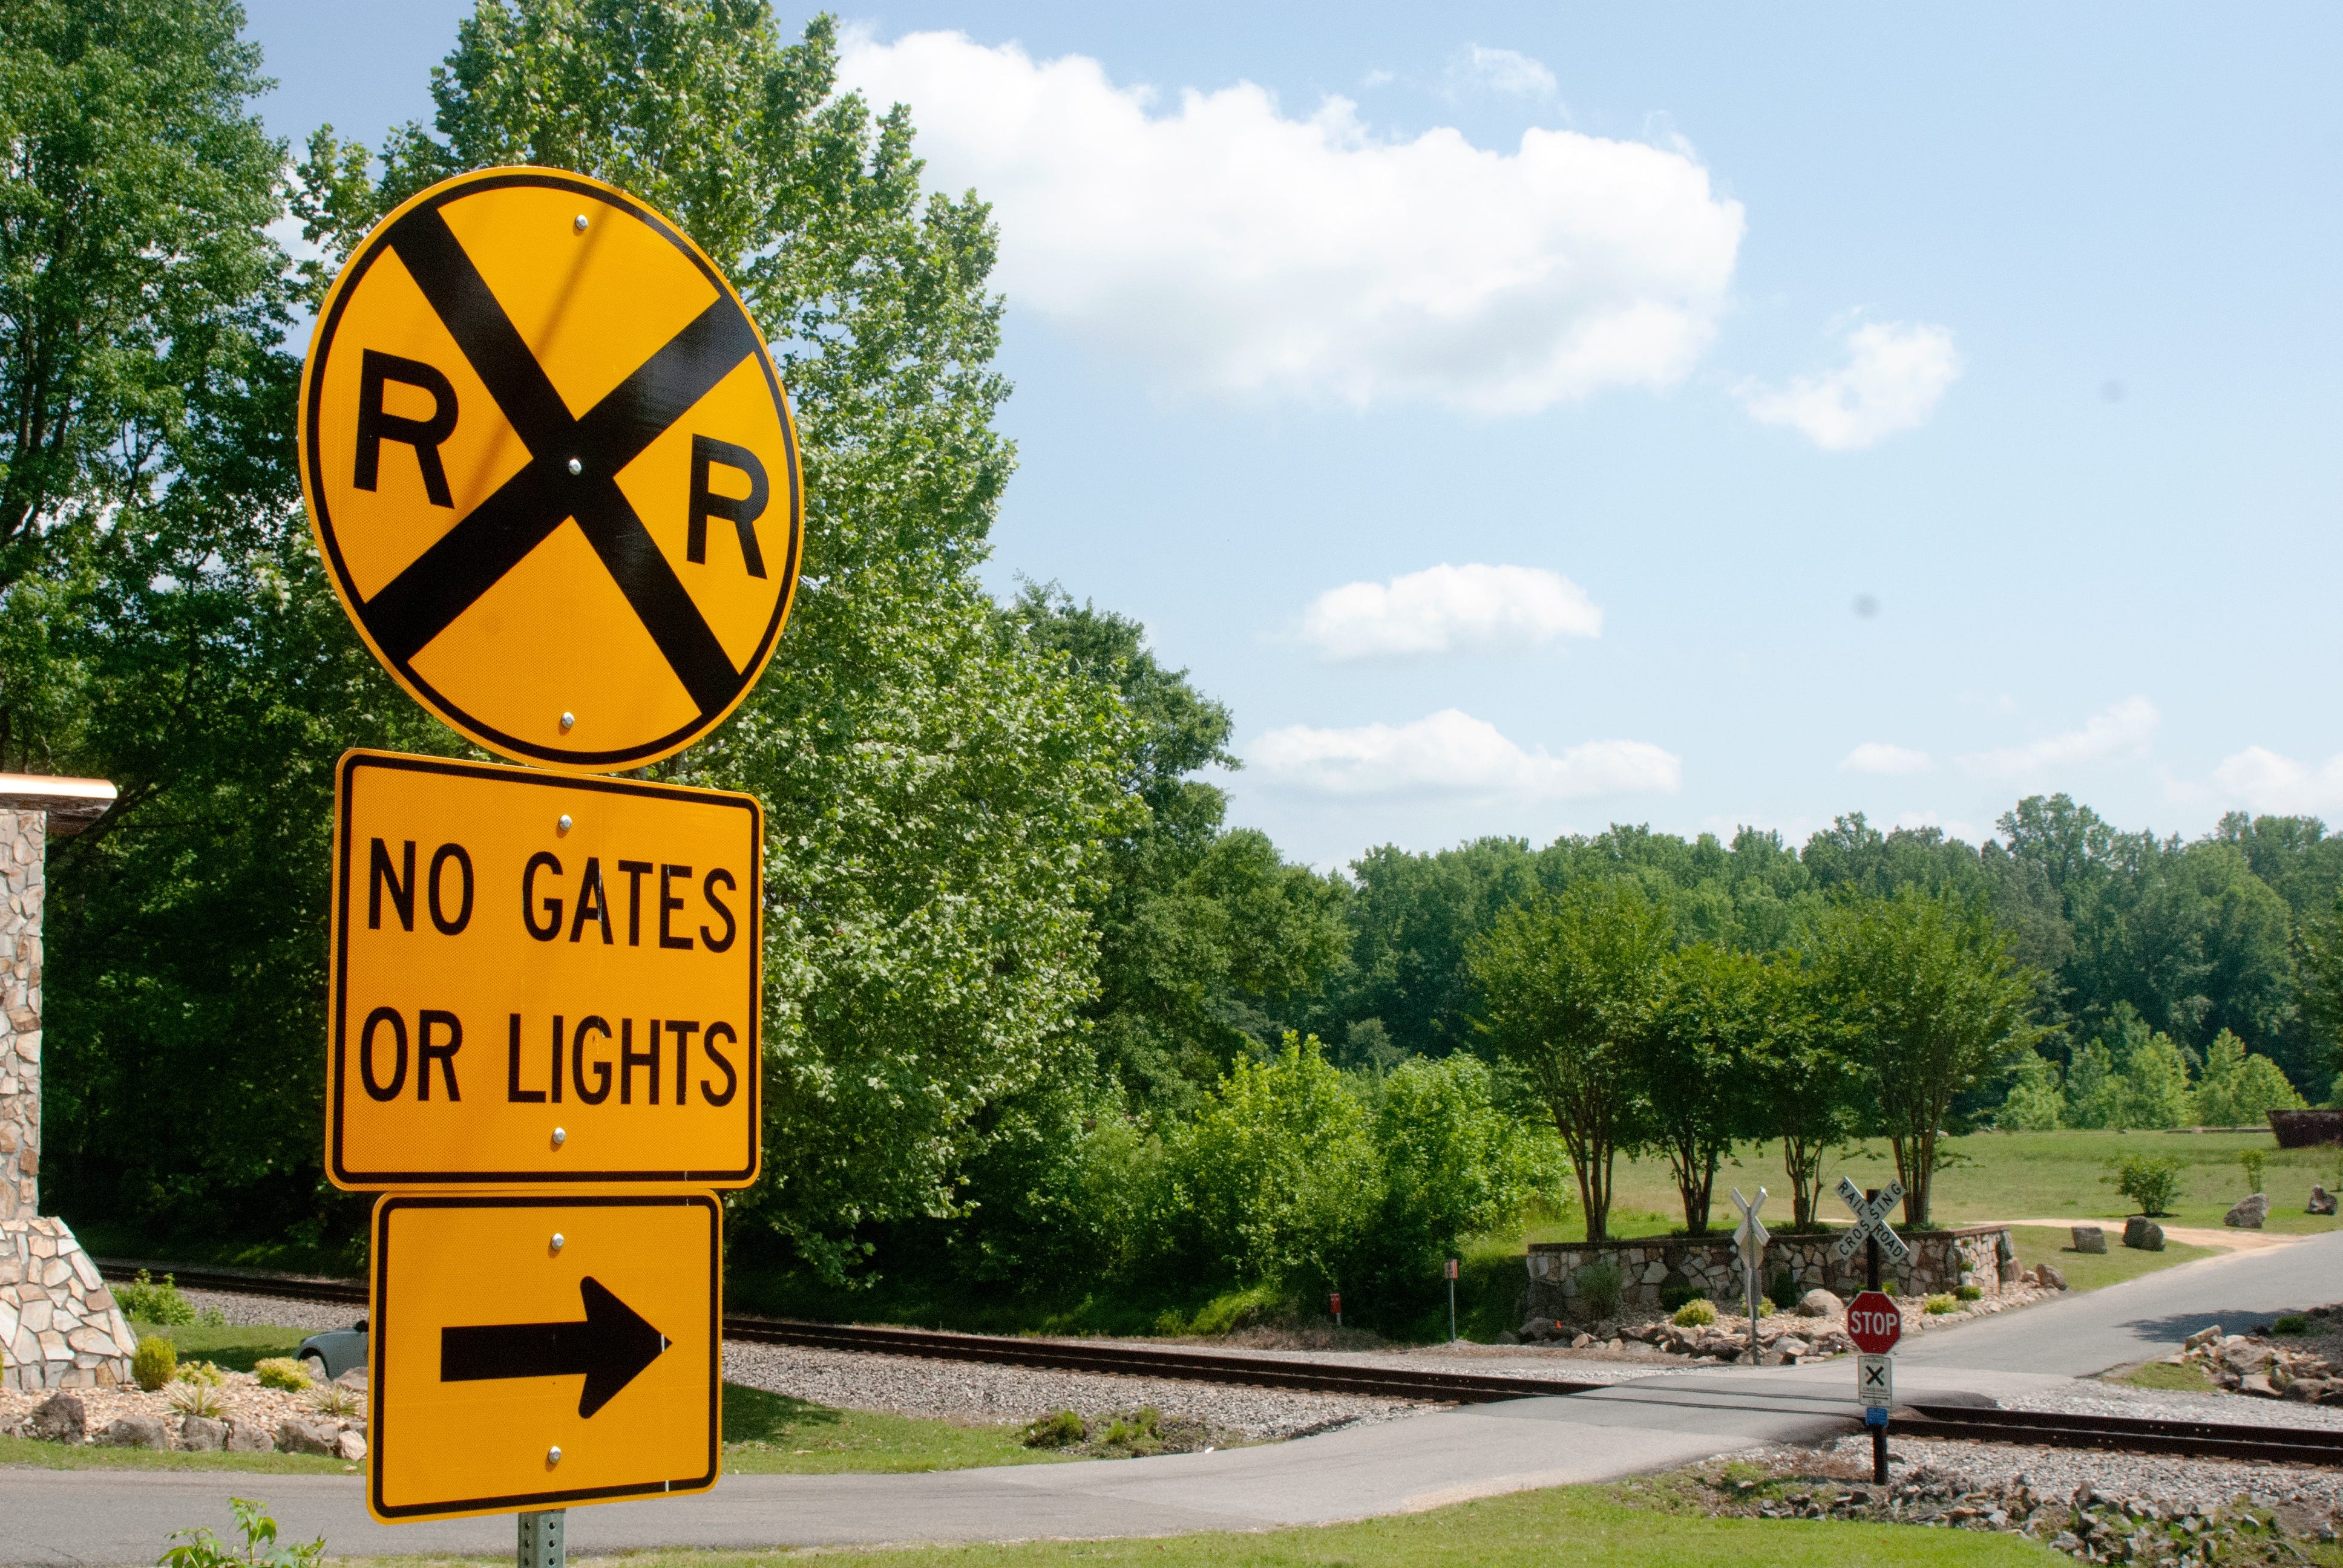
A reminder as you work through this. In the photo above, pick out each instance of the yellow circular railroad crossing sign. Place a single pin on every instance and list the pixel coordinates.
(552, 469)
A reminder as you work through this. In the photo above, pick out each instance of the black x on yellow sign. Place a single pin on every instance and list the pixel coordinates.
(552, 469)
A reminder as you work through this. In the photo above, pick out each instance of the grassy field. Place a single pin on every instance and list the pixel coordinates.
(234, 1346)
(1565, 1527)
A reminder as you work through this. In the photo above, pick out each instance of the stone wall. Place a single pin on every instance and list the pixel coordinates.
(1979, 1255)
(24, 837)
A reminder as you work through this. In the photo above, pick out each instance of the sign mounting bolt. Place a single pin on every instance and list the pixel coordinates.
(567, 721)
(576, 466)
(564, 824)
(553, 1455)
(580, 223)
(558, 1239)
(560, 1137)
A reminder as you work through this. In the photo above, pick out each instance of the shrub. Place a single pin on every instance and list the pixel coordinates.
(2291, 1323)
(1695, 1314)
(1601, 1290)
(1939, 1304)
(147, 1302)
(1783, 1289)
(1058, 1428)
(1134, 1429)
(2252, 1160)
(155, 1362)
(1675, 1296)
(1971, 1292)
(281, 1371)
(338, 1402)
(206, 1373)
(2150, 1181)
(1232, 1309)
(195, 1399)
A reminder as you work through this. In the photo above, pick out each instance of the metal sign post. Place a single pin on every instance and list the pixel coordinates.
(1873, 1234)
(1750, 1236)
(1451, 1301)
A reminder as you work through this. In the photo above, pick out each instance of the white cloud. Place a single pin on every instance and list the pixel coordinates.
(1879, 757)
(1246, 252)
(2262, 780)
(1892, 380)
(1450, 610)
(2123, 728)
(1452, 753)
(1504, 71)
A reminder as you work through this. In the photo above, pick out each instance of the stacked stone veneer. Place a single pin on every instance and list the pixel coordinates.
(1980, 1255)
(58, 1325)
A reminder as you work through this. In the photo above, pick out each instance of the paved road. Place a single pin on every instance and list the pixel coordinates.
(99, 1517)
(2144, 1318)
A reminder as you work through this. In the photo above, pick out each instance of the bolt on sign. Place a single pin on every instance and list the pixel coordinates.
(534, 1352)
(540, 978)
(552, 469)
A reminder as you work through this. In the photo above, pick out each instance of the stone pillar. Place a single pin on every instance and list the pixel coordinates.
(59, 1327)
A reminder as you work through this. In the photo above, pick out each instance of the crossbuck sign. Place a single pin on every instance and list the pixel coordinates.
(1751, 1235)
(1871, 1222)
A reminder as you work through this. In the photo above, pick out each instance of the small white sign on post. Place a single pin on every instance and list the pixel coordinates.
(1871, 1223)
(1875, 1383)
(1750, 1237)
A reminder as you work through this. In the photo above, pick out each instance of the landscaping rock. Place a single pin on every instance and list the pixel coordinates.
(1537, 1328)
(295, 1435)
(136, 1432)
(351, 1446)
(2049, 1275)
(2249, 1212)
(1820, 1303)
(2144, 1233)
(1582, 1341)
(2322, 1202)
(2089, 1239)
(2258, 1384)
(250, 1437)
(2202, 1337)
(202, 1434)
(61, 1420)
(1791, 1345)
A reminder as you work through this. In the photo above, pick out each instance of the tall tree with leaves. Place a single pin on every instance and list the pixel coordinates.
(1572, 984)
(1803, 1082)
(1933, 1005)
(1695, 1067)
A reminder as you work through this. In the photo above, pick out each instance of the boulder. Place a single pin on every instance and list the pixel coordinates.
(2202, 1337)
(61, 1419)
(1537, 1328)
(352, 1446)
(2257, 1385)
(136, 1431)
(2308, 1390)
(2089, 1239)
(2144, 1233)
(2048, 1276)
(2322, 1202)
(295, 1435)
(356, 1379)
(1580, 1341)
(202, 1434)
(1819, 1303)
(1793, 1346)
(2249, 1212)
(248, 1437)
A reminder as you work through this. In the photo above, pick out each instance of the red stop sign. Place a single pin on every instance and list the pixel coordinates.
(1873, 1323)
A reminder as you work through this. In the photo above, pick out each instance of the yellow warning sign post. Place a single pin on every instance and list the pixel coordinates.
(540, 980)
(552, 469)
(537, 1351)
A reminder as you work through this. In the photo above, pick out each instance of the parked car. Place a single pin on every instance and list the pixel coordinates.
(327, 1356)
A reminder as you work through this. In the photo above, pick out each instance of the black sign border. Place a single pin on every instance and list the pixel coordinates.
(313, 472)
(344, 782)
(380, 1404)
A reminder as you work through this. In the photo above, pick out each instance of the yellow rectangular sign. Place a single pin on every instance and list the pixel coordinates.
(531, 1351)
(540, 978)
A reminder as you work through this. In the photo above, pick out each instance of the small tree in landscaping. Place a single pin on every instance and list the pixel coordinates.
(1694, 1069)
(1571, 984)
(1933, 1004)
(2150, 1181)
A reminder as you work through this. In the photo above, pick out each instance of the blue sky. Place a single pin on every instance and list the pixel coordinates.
(1819, 409)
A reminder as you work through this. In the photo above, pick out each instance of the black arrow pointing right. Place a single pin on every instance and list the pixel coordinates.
(610, 1347)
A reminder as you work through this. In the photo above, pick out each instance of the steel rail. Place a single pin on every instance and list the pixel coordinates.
(1922, 1418)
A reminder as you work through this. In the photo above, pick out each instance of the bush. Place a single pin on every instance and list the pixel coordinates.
(1601, 1291)
(2291, 1323)
(1675, 1296)
(2252, 1160)
(196, 1399)
(1232, 1309)
(1058, 1428)
(2150, 1181)
(1971, 1292)
(206, 1374)
(338, 1403)
(1937, 1305)
(280, 1372)
(1695, 1314)
(144, 1300)
(1783, 1289)
(155, 1362)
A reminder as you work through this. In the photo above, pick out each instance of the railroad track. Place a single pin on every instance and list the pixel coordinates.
(2221, 1440)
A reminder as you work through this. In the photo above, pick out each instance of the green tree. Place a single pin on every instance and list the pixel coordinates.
(1804, 1081)
(1571, 984)
(2035, 1103)
(1695, 1067)
(2238, 1089)
(1935, 1005)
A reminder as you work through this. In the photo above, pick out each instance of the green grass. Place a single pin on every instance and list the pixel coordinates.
(1564, 1527)
(234, 1346)
(2089, 1271)
(2186, 1378)
(773, 1434)
(81, 1456)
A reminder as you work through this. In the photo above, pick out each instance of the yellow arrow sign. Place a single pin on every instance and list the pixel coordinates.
(540, 978)
(551, 468)
(530, 1353)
